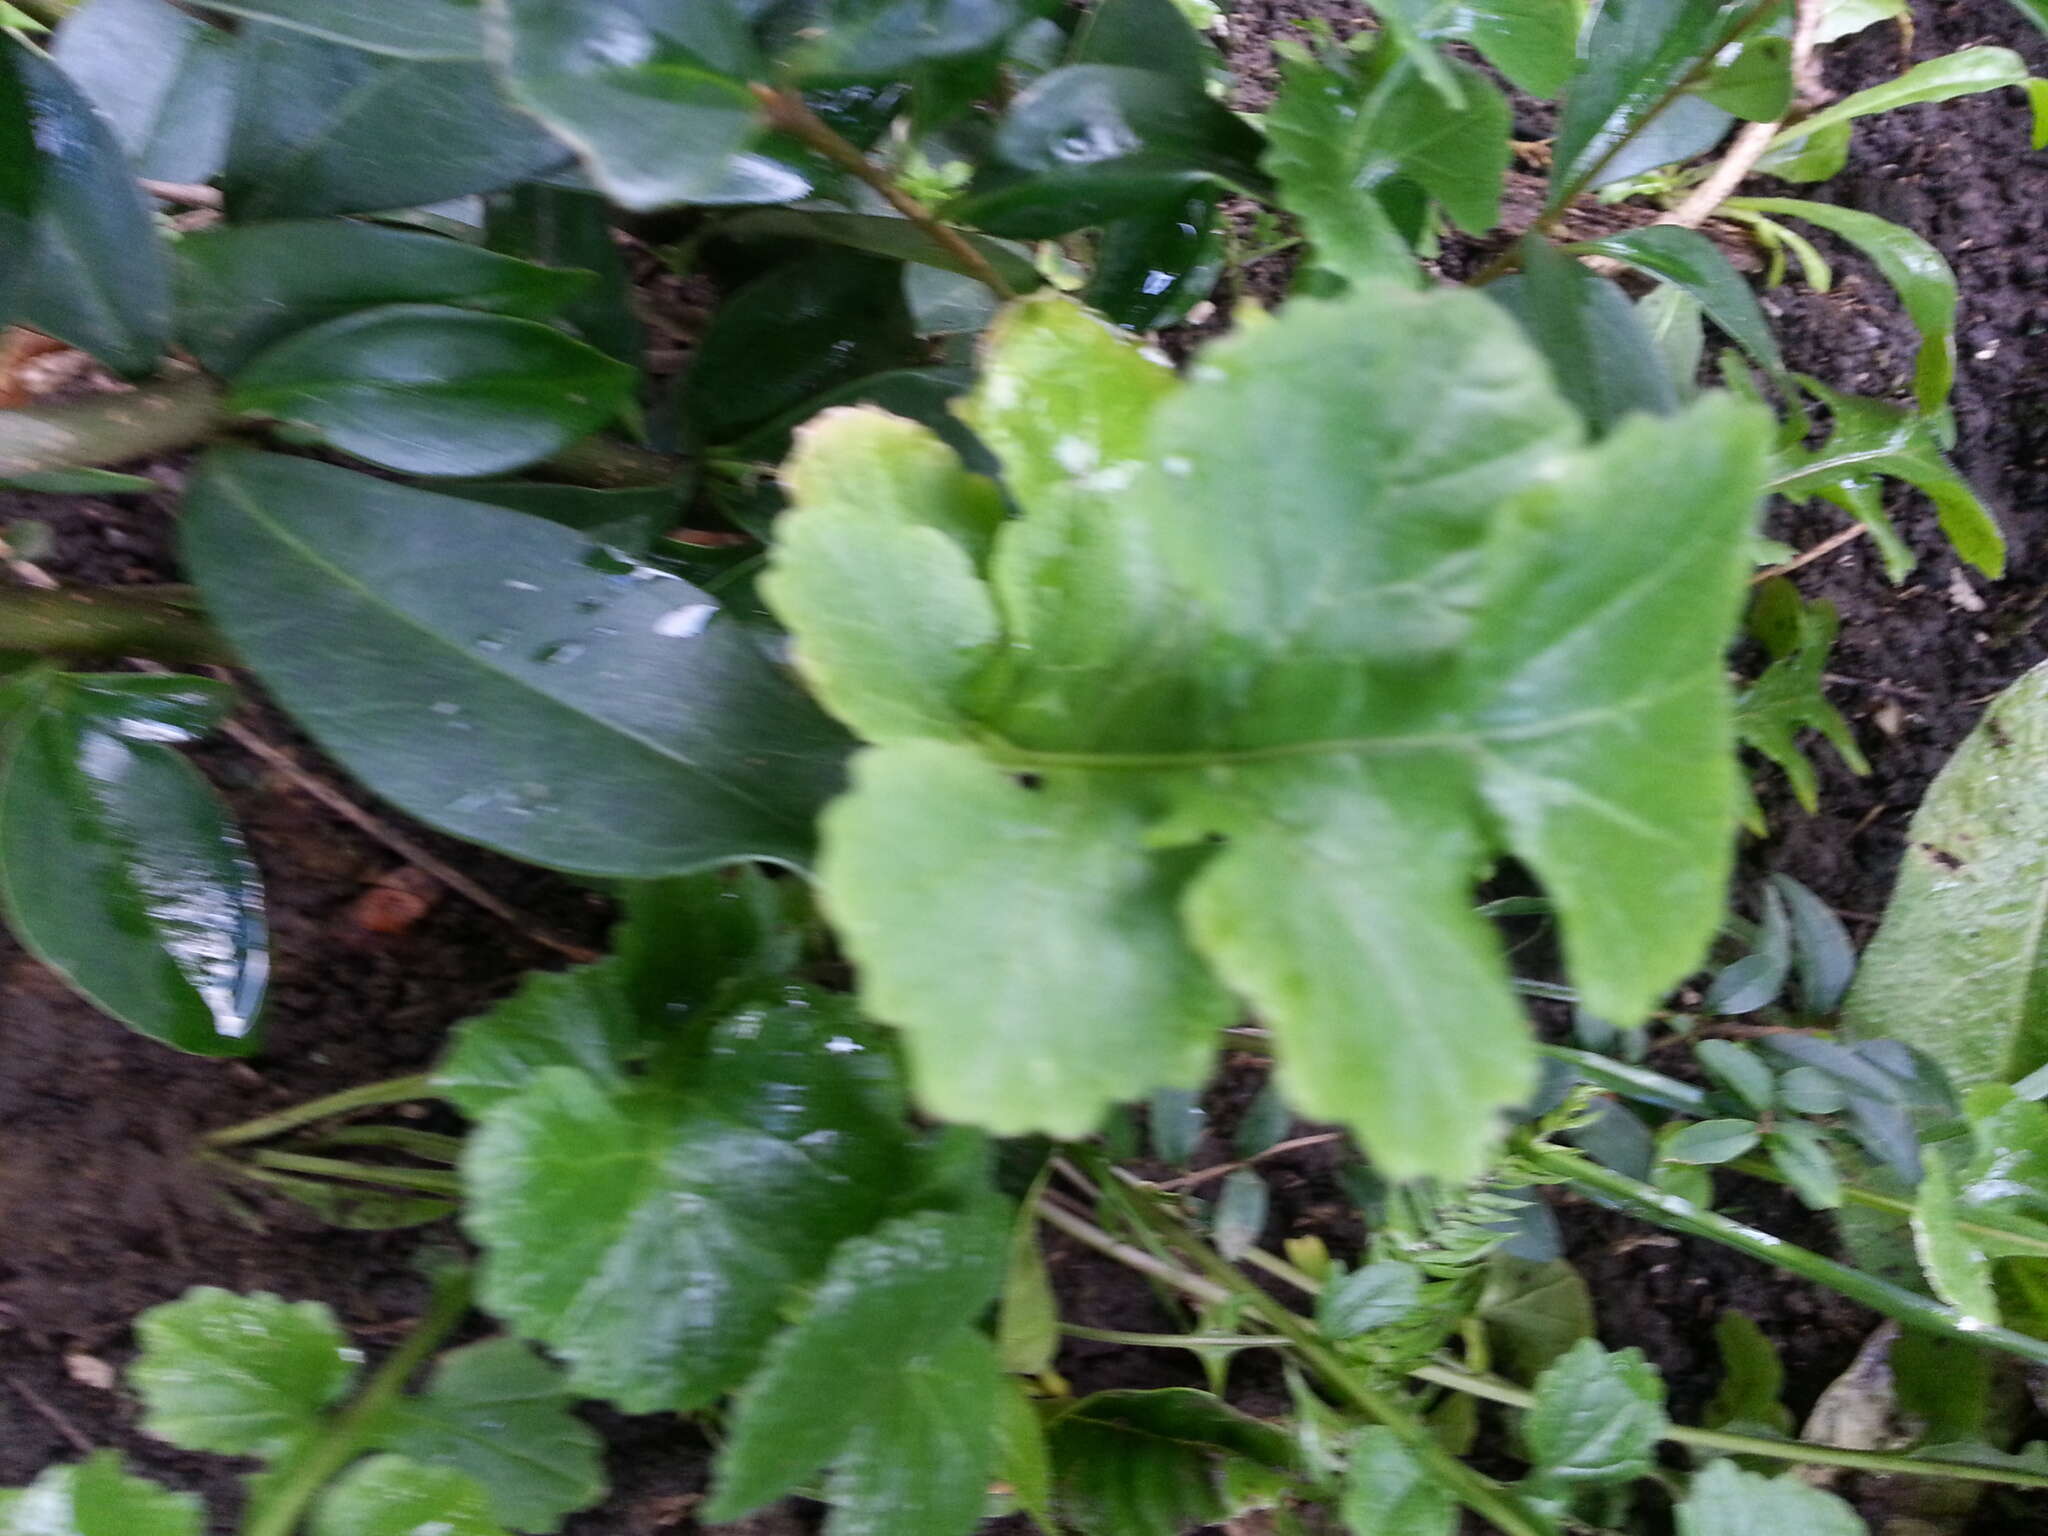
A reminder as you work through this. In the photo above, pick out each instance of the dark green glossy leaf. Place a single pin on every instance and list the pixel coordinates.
(1313, 157)
(1589, 334)
(1139, 1463)
(1870, 440)
(1925, 283)
(652, 1236)
(1637, 56)
(652, 98)
(1090, 920)
(1692, 262)
(886, 1299)
(499, 1413)
(683, 939)
(884, 235)
(322, 128)
(1727, 1501)
(795, 332)
(629, 520)
(1756, 979)
(578, 1018)
(1597, 1417)
(1090, 143)
(241, 1375)
(1388, 1492)
(885, 40)
(394, 1496)
(1151, 269)
(1689, 127)
(21, 168)
(432, 390)
(555, 227)
(118, 864)
(241, 288)
(409, 29)
(96, 1498)
(1144, 34)
(1958, 965)
(94, 273)
(163, 80)
(1532, 42)
(556, 702)
(1789, 695)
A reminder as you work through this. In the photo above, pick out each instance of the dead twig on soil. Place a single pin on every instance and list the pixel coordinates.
(1220, 1170)
(1824, 548)
(51, 1416)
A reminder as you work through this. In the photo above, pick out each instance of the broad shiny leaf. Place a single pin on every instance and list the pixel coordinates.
(119, 867)
(1139, 1463)
(1532, 42)
(241, 1375)
(163, 80)
(21, 168)
(92, 271)
(1959, 967)
(1151, 269)
(1597, 1417)
(1727, 1501)
(1690, 261)
(96, 1497)
(432, 390)
(322, 128)
(652, 1236)
(575, 1018)
(1962, 73)
(240, 288)
(1590, 335)
(558, 702)
(408, 29)
(554, 227)
(886, 40)
(1144, 34)
(653, 97)
(1387, 1492)
(922, 1465)
(499, 1414)
(1479, 581)
(393, 1496)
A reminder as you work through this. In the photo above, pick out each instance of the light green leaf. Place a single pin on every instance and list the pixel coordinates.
(1139, 1463)
(163, 80)
(921, 1465)
(1757, 83)
(1869, 440)
(1532, 42)
(1800, 1154)
(574, 1018)
(431, 390)
(393, 1496)
(1240, 1214)
(1387, 1492)
(1688, 260)
(409, 29)
(884, 1300)
(96, 1498)
(1597, 1417)
(891, 657)
(93, 272)
(1028, 1319)
(321, 128)
(1957, 967)
(1789, 695)
(1752, 1378)
(1922, 277)
(558, 703)
(1810, 157)
(242, 1375)
(1955, 1266)
(119, 866)
(1727, 1501)
(1369, 1298)
(1842, 18)
(653, 99)
(499, 1414)
(1737, 1068)
(652, 1236)
(240, 288)
(2002, 1185)
(1962, 73)
(1671, 318)
(1168, 679)
(1710, 1141)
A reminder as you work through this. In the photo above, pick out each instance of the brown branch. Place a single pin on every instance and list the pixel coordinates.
(787, 113)
(100, 623)
(1825, 547)
(112, 428)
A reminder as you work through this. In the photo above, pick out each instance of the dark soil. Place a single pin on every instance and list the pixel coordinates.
(103, 1213)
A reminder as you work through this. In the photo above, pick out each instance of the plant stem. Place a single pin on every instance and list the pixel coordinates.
(1893, 1205)
(88, 623)
(48, 12)
(1494, 1390)
(395, 1090)
(343, 1440)
(1087, 1233)
(110, 429)
(1679, 1215)
(606, 464)
(1175, 1340)
(426, 1180)
(787, 113)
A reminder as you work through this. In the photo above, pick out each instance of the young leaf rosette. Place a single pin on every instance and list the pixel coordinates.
(1237, 685)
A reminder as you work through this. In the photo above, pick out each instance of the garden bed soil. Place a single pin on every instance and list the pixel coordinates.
(103, 1213)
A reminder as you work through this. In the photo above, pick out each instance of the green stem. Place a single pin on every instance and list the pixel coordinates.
(1675, 1214)
(98, 623)
(1893, 1205)
(606, 464)
(48, 12)
(344, 1439)
(426, 1180)
(110, 429)
(1473, 1489)
(1175, 1340)
(395, 1090)
(1727, 1443)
